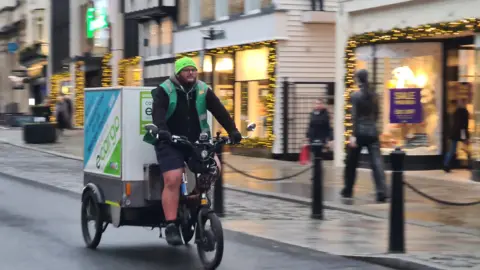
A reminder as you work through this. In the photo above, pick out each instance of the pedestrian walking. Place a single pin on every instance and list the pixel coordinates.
(319, 127)
(61, 114)
(365, 134)
(459, 133)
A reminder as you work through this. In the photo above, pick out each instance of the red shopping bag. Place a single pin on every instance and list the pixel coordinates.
(304, 157)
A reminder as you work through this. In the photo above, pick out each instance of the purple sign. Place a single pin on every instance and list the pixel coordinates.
(405, 106)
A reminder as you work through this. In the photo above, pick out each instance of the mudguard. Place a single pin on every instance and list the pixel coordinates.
(96, 191)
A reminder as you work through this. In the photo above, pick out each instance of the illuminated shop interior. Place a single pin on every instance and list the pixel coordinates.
(439, 59)
(244, 80)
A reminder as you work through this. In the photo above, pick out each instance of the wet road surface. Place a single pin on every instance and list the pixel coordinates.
(40, 230)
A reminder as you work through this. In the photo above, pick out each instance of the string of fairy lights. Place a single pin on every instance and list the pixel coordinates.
(79, 94)
(425, 31)
(55, 85)
(123, 66)
(267, 141)
(107, 74)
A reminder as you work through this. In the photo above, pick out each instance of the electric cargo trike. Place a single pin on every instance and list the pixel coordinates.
(123, 184)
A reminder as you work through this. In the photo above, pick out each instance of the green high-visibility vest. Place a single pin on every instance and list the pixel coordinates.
(201, 89)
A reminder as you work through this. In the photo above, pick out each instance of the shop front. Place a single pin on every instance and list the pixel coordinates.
(244, 80)
(420, 73)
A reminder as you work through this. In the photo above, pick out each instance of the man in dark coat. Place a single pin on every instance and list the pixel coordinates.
(459, 132)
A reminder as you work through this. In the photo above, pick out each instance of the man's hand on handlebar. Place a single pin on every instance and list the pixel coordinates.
(164, 135)
(235, 137)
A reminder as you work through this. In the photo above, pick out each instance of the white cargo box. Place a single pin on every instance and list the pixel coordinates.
(113, 131)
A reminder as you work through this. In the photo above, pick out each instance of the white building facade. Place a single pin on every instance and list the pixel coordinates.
(421, 57)
(264, 42)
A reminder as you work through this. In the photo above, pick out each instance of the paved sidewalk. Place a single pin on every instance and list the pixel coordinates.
(451, 187)
(340, 233)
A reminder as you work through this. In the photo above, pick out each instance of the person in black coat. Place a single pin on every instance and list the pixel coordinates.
(459, 132)
(319, 127)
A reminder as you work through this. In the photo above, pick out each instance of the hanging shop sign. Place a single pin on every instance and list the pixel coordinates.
(405, 105)
(96, 19)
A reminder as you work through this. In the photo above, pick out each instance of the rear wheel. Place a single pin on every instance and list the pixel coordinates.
(212, 241)
(92, 219)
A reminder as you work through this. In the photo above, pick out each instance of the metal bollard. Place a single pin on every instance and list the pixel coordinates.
(317, 185)
(397, 213)
(218, 205)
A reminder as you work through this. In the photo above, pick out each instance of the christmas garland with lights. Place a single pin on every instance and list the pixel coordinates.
(79, 94)
(55, 83)
(122, 68)
(425, 31)
(266, 142)
(107, 70)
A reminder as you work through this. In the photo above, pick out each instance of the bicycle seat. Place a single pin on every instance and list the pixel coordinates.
(152, 128)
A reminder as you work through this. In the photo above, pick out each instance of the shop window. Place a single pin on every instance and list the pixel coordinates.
(207, 10)
(166, 36)
(38, 25)
(409, 87)
(236, 7)
(251, 90)
(157, 38)
(251, 65)
(224, 82)
(221, 9)
(194, 12)
(153, 39)
(183, 11)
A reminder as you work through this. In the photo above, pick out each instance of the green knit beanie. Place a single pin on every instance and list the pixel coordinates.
(183, 63)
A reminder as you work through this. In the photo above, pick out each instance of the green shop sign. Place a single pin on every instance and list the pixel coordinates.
(96, 19)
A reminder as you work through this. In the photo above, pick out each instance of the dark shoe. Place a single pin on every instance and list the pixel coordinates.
(381, 198)
(346, 194)
(172, 234)
(446, 169)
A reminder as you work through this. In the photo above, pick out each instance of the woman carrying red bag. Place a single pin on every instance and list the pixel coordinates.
(319, 128)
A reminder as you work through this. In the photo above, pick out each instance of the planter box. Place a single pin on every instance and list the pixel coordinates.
(39, 133)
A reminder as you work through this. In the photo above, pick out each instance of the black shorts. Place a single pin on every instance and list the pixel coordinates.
(169, 158)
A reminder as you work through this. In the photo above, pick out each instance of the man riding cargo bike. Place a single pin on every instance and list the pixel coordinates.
(149, 188)
(180, 107)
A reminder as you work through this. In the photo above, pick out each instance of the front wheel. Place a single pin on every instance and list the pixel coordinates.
(211, 242)
(92, 219)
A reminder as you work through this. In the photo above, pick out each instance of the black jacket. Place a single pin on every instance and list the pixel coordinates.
(365, 109)
(184, 121)
(319, 127)
(460, 122)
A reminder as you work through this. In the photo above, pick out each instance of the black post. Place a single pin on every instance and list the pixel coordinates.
(317, 186)
(218, 205)
(286, 91)
(397, 214)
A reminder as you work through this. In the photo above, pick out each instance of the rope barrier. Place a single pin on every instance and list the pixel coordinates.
(266, 179)
(440, 201)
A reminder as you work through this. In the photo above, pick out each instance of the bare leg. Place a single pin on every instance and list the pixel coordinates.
(171, 193)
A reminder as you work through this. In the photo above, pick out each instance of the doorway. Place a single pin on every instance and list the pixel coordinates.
(459, 86)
